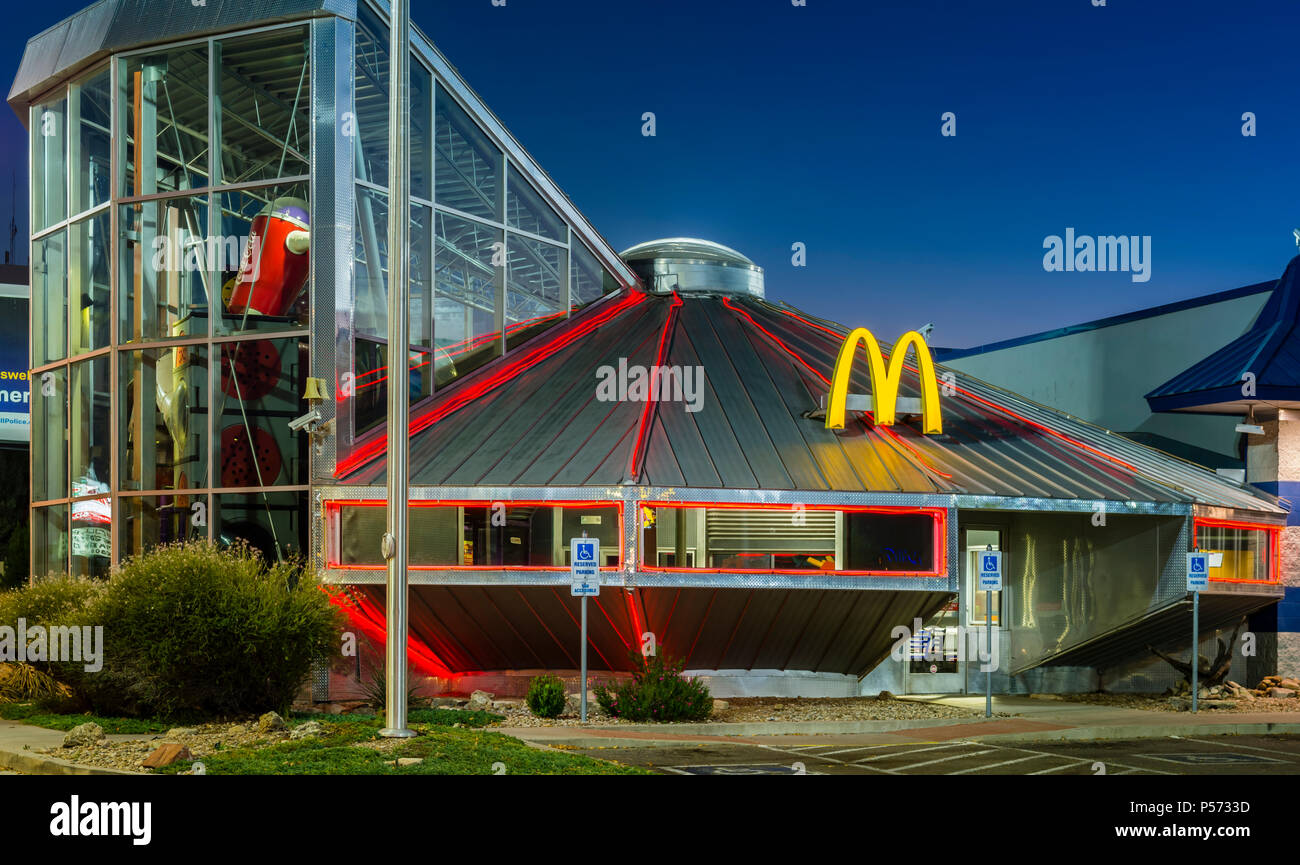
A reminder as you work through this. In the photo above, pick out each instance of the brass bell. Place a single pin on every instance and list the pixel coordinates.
(315, 390)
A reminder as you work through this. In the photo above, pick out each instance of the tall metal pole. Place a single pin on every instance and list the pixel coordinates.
(1196, 648)
(988, 664)
(399, 229)
(583, 698)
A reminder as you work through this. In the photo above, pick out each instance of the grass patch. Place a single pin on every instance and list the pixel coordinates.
(29, 714)
(445, 751)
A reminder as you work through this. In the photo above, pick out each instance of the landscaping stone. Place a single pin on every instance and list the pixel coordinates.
(179, 732)
(84, 734)
(303, 731)
(721, 705)
(166, 754)
(271, 722)
(885, 695)
(481, 700)
(409, 761)
(1281, 693)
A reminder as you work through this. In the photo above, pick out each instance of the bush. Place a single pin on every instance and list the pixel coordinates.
(658, 692)
(546, 696)
(192, 630)
(51, 601)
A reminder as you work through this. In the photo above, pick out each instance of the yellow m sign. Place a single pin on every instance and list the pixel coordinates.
(884, 383)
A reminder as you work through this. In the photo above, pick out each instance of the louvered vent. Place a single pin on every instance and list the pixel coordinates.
(731, 530)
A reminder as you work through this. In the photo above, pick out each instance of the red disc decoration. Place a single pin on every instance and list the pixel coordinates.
(257, 369)
(241, 461)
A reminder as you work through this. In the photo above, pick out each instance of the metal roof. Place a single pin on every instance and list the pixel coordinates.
(110, 26)
(1270, 351)
(534, 418)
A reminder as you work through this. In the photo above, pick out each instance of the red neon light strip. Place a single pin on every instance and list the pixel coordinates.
(367, 618)
(938, 538)
(653, 401)
(884, 429)
(1274, 534)
(472, 390)
(333, 508)
(1035, 424)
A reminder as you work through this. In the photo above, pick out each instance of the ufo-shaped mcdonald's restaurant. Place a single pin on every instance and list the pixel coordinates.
(792, 505)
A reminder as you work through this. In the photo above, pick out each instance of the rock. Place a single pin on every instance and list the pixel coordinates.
(1181, 704)
(84, 734)
(446, 702)
(271, 723)
(166, 754)
(178, 732)
(884, 695)
(409, 761)
(1277, 693)
(507, 704)
(1216, 691)
(1216, 704)
(721, 705)
(480, 700)
(1203, 693)
(303, 731)
(1289, 684)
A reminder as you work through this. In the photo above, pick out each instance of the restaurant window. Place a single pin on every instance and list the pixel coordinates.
(1239, 552)
(978, 541)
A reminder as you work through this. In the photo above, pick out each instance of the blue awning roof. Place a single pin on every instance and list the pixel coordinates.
(1270, 351)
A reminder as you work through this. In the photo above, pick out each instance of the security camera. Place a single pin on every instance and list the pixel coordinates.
(306, 422)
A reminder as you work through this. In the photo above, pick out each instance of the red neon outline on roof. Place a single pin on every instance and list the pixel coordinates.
(653, 397)
(473, 389)
(1275, 533)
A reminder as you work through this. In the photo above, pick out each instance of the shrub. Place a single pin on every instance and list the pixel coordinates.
(658, 692)
(51, 601)
(190, 629)
(376, 691)
(546, 696)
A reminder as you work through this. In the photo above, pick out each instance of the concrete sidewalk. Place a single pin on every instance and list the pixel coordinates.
(19, 744)
(1017, 719)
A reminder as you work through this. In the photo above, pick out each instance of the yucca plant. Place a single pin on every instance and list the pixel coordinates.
(21, 682)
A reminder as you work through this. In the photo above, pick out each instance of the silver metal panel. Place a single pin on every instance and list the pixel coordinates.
(115, 26)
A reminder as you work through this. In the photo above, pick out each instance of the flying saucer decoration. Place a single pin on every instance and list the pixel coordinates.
(273, 271)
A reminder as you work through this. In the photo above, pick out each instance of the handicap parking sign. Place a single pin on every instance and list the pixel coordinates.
(990, 571)
(1198, 571)
(584, 566)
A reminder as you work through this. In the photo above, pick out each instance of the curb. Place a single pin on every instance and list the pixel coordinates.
(755, 728)
(40, 764)
(1143, 731)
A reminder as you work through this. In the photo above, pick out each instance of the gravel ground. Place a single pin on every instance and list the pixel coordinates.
(205, 739)
(1159, 703)
(750, 709)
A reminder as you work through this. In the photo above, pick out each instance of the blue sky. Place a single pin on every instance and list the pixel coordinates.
(820, 124)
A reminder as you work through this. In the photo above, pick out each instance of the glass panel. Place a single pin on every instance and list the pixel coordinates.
(260, 391)
(152, 520)
(421, 134)
(50, 435)
(49, 298)
(788, 539)
(164, 418)
(88, 283)
(520, 536)
(588, 279)
(163, 257)
(936, 647)
(525, 210)
(90, 430)
(1237, 553)
(535, 288)
(165, 112)
(49, 175)
(50, 540)
(978, 541)
(274, 524)
(265, 107)
(261, 253)
(467, 267)
(92, 153)
(468, 165)
(371, 98)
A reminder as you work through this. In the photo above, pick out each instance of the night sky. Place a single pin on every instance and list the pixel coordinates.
(821, 125)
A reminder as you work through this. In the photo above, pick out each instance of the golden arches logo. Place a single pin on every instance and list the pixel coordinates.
(884, 382)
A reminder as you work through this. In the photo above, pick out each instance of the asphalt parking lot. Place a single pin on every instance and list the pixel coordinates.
(1201, 755)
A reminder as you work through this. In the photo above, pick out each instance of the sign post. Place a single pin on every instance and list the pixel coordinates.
(584, 571)
(1198, 578)
(990, 582)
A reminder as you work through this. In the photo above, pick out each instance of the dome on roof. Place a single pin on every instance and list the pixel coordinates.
(693, 264)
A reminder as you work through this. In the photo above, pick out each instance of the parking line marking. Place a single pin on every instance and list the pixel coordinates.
(995, 765)
(943, 760)
(1059, 768)
(1234, 745)
(914, 751)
